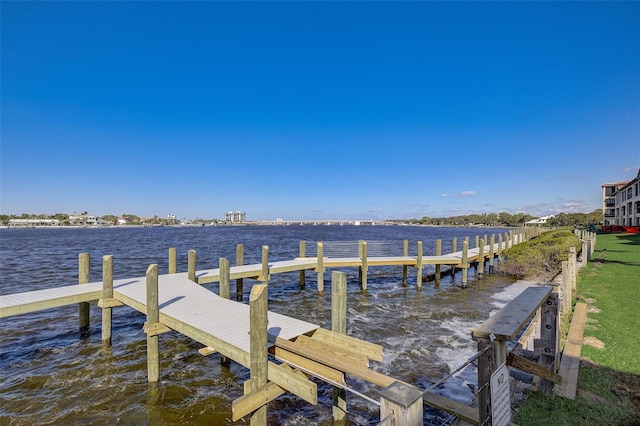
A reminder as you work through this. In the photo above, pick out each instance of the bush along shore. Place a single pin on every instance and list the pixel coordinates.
(608, 389)
(540, 259)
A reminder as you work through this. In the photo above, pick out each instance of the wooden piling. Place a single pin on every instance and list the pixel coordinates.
(401, 404)
(454, 245)
(438, 267)
(339, 325)
(477, 241)
(239, 281)
(225, 279)
(258, 356)
(365, 267)
(84, 276)
(492, 253)
(320, 267)
(264, 274)
(173, 260)
(573, 265)
(499, 246)
(153, 317)
(465, 262)
(107, 294)
(481, 258)
(225, 292)
(419, 266)
(302, 254)
(486, 367)
(191, 266)
(405, 252)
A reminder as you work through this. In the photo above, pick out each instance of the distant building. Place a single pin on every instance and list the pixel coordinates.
(32, 223)
(539, 221)
(235, 217)
(621, 203)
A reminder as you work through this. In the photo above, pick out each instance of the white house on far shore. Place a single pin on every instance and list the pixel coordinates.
(539, 221)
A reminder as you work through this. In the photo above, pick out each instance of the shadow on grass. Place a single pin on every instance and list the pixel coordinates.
(604, 397)
(633, 239)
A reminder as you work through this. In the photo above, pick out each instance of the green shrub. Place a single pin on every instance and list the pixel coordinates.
(539, 259)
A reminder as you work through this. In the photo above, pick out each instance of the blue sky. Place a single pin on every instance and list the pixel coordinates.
(317, 110)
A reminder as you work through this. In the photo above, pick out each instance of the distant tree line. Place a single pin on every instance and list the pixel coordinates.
(109, 219)
(509, 220)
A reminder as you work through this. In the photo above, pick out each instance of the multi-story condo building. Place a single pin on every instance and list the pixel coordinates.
(621, 203)
(235, 217)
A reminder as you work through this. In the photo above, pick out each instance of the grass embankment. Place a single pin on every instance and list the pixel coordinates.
(541, 258)
(609, 376)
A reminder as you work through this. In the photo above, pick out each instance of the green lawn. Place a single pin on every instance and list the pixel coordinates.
(609, 378)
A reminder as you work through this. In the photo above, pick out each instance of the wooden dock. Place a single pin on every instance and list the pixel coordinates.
(176, 302)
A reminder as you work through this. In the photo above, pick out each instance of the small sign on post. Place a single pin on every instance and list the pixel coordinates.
(500, 397)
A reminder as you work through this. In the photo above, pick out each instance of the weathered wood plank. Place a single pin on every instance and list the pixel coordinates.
(443, 403)
(507, 322)
(570, 360)
(371, 350)
(532, 367)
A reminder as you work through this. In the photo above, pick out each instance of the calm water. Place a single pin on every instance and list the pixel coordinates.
(48, 375)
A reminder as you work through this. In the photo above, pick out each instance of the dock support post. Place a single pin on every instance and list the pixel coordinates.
(191, 266)
(481, 258)
(364, 268)
(454, 249)
(405, 252)
(548, 344)
(264, 275)
(499, 246)
(173, 260)
(477, 241)
(84, 262)
(223, 265)
(239, 281)
(303, 253)
(402, 404)
(339, 325)
(486, 367)
(153, 317)
(419, 266)
(107, 293)
(492, 253)
(225, 292)
(258, 361)
(465, 263)
(320, 268)
(438, 266)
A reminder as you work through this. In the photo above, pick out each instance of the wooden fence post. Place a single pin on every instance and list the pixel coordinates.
(303, 253)
(320, 268)
(258, 355)
(107, 294)
(153, 317)
(173, 260)
(339, 325)
(84, 275)
(191, 266)
(239, 281)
